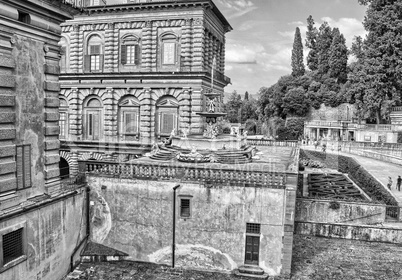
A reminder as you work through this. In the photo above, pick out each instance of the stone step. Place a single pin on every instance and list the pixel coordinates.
(251, 271)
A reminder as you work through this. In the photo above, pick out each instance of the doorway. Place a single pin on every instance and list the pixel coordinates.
(64, 169)
(252, 249)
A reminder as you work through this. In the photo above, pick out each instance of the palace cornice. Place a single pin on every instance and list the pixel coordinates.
(138, 7)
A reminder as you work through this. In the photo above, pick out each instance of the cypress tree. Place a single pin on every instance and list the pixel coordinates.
(324, 41)
(311, 43)
(338, 57)
(297, 55)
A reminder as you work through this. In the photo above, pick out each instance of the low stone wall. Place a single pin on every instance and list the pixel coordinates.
(322, 211)
(345, 231)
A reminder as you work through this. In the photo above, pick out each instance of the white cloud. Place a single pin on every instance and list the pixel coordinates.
(243, 53)
(237, 7)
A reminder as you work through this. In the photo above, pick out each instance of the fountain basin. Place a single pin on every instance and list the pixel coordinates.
(229, 142)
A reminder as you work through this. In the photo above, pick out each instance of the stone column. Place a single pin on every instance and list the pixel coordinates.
(146, 47)
(81, 51)
(186, 45)
(109, 48)
(109, 130)
(74, 115)
(115, 50)
(185, 109)
(196, 107)
(74, 49)
(147, 124)
(199, 44)
(154, 46)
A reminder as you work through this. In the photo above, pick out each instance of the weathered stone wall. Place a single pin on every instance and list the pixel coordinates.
(355, 232)
(313, 210)
(135, 216)
(52, 232)
(343, 112)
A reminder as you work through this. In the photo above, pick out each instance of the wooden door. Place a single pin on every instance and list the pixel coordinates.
(252, 249)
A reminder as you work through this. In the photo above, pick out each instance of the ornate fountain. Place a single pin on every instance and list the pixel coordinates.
(209, 146)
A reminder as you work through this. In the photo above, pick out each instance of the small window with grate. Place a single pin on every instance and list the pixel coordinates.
(12, 246)
(253, 228)
(185, 211)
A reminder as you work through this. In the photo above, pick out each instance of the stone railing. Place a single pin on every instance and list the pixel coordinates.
(266, 142)
(324, 123)
(74, 3)
(211, 173)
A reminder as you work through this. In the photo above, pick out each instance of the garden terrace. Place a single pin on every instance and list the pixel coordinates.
(358, 174)
(332, 186)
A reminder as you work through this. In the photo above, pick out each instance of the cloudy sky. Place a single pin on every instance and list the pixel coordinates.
(258, 50)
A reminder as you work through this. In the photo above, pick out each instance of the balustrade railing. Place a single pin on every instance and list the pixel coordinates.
(393, 213)
(267, 142)
(206, 173)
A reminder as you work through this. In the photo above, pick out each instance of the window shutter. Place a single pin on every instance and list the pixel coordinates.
(101, 62)
(27, 166)
(137, 55)
(90, 125)
(20, 167)
(123, 54)
(96, 125)
(87, 63)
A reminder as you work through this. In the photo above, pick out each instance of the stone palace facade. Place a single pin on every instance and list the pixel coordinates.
(132, 73)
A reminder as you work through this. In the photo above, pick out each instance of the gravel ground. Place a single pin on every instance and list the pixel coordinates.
(313, 258)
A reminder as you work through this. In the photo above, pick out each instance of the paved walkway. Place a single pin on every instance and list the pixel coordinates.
(379, 169)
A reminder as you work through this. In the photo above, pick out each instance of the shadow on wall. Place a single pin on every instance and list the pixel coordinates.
(101, 218)
(194, 256)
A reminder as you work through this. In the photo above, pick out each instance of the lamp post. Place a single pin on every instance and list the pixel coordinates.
(174, 223)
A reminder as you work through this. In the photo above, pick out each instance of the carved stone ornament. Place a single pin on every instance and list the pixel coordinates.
(110, 25)
(187, 21)
(13, 40)
(198, 21)
(76, 27)
(46, 48)
(148, 24)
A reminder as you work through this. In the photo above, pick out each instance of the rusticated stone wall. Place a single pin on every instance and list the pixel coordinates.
(135, 216)
(52, 232)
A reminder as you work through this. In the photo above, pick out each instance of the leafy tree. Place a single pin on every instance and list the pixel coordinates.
(357, 47)
(376, 82)
(232, 107)
(246, 96)
(297, 55)
(249, 110)
(295, 102)
(311, 43)
(338, 57)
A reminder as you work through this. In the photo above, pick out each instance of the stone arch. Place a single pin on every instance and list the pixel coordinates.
(93, 155)
(159, 93)
(67, 157)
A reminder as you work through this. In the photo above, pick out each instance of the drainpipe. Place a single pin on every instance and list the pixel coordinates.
(174, 224)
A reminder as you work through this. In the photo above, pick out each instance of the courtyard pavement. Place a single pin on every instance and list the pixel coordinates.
(379, 169)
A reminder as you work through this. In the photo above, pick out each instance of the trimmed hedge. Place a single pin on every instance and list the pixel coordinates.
(374, 189)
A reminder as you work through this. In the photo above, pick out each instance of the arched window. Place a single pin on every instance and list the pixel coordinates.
(129, 118)
(92, 121)
(169, 50)
(167, 111)
(130, 51)
(63, 121)
(64, 55)
(93, 60)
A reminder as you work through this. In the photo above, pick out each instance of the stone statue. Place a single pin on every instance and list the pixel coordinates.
(211, 105)
(245, 132)
(185, 132)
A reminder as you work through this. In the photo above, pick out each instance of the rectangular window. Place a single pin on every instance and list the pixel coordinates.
(93, 125)
(95, 62)
(253, 228)
(12, 246)
(130, 123)
(169, 53)
(185, 208)
(130, 54)
(167, 123)
(23, 161)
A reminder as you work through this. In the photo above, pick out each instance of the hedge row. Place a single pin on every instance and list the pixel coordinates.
(374, 189)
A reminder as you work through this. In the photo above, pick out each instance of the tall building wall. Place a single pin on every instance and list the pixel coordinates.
(39, 228)
(147, 52)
